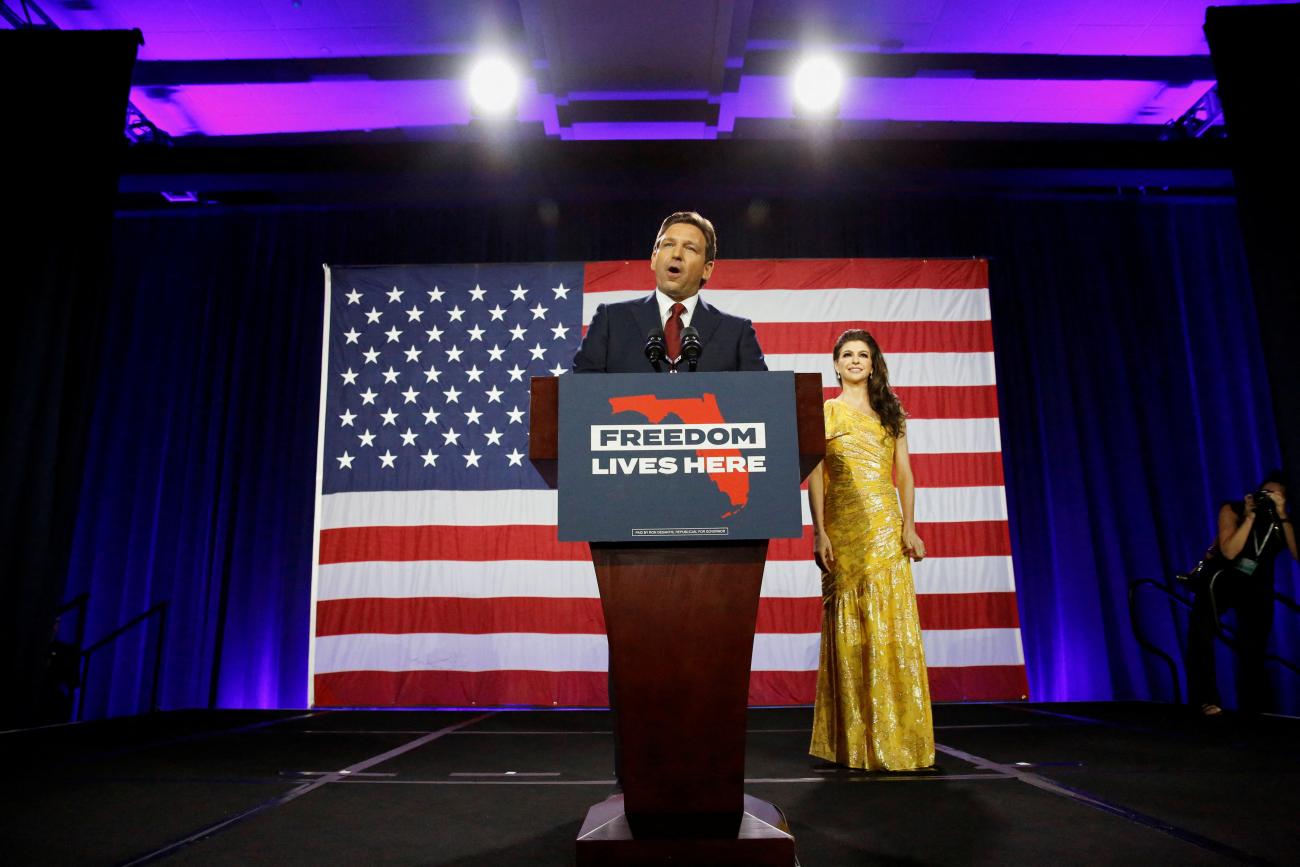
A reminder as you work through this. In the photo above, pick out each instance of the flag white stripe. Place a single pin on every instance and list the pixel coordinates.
(905, 368)
(943, 648)
(939, 505)
(566, 579)
(933, 436)
(934, 575)
(529, 651)
(511, 508)
(441, 651)
(829, 305)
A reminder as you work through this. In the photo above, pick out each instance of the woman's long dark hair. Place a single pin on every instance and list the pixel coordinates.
(879, 394)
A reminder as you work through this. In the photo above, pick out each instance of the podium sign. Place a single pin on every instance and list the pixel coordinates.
(697, 456)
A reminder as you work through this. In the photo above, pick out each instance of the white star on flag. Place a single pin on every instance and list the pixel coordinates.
(472, 416)
(354, 297)
(347, 418)
(431, 416)
(388, 459)
(456, 313)
(430, 459)
(477, 293)
(516, 415)
(395, 296)
(436, 294)
(352, 335)
(410, 395)
(516, 458)
(560, 291)
(389, 417)
(450, 437)
(452, 395)
(539, 312)
(349, 377)
(471, 458)
(519, 292)
(414, 314)
(367, 438)
(393, 334)
(494, 437)
(345, 461)
(408, 438)
(373, 315)
(368, 397)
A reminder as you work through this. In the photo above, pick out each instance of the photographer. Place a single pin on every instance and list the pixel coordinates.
(1238, 573)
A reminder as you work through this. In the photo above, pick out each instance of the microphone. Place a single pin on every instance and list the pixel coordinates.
(691, 347)
(654, 348)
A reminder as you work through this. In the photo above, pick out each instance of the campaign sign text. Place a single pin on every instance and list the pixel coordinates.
(646, 457)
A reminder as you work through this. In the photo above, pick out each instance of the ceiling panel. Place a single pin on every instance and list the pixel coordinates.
(694, 68)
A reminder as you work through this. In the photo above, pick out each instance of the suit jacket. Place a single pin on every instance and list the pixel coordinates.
(615, 341)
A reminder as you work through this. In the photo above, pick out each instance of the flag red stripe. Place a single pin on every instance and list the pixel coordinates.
(966, 683)
(533, 542)
(589, 688)
(441, 542)
(799, 614)
(941, 401)
(979, 683)
(461, 688)
(802, 274)
(946, 539)
(817, 338)
(954, 470)
(583, 616)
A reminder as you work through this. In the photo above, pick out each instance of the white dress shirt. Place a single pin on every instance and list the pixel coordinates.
(666, 307)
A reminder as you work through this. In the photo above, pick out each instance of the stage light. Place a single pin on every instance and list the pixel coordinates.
(493, 86)
(818, 83)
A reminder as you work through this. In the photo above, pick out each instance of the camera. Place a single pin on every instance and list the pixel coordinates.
(1265, 508)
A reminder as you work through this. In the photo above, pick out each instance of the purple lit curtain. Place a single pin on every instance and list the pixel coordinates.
(1132, 392)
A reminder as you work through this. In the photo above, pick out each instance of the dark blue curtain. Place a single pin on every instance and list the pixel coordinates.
(1133, 397)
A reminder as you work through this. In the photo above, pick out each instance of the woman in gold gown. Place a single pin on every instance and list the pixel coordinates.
(873, 696)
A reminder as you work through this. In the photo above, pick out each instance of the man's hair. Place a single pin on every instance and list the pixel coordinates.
(1277, 477)
(694, 219)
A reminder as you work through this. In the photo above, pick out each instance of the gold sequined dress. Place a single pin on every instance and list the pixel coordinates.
(873, 696)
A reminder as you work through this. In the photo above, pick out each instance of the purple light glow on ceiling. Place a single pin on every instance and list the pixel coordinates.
(214, 30)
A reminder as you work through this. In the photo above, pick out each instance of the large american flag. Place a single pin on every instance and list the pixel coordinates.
(438, 578)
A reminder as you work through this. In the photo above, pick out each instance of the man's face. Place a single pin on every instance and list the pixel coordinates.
(678, 261)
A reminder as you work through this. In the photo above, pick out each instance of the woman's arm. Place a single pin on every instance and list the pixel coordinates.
(1232, 532)
(823, 553)
(912, 544)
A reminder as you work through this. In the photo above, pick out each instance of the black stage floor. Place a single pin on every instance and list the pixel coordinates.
(1025, 784)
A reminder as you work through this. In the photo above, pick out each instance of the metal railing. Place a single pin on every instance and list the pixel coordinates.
(80, 602)
(1222, 632)
(158, 610)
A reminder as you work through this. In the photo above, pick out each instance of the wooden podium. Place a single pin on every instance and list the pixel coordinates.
(680, 619)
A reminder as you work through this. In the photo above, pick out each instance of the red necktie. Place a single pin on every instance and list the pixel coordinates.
(673, 332)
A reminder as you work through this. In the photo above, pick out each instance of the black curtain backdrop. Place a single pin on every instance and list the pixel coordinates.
(1131, 383)
(66, 96)
(1255, 60)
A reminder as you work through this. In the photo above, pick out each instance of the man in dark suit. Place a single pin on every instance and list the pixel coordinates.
(682, 260)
